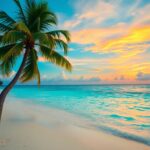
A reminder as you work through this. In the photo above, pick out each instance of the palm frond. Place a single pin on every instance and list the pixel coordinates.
(44, 39)
(5, 49)
(7, 65)
(1, 36)
(55, 58)
(20, 11)
(20, 26)
(45, 50)
(54, 36)
(6, 19)
(4, 28)
(12, 37)
(15, 50)
(30, 70)
(30, 3)
(40, 36)
(48, 19)
(51, 42)
(8, 56)
(59, 33)
(60, 43)
(40, 17)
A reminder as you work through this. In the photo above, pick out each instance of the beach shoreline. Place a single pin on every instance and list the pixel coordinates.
(34, 127)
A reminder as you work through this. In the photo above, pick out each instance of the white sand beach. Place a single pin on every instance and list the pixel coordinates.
(32, 127)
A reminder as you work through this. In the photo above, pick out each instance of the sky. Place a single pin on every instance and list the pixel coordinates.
(110, 41)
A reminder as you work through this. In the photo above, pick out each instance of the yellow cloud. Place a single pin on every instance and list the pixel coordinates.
(137, 37)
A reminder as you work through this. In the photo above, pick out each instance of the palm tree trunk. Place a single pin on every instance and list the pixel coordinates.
(12, 83)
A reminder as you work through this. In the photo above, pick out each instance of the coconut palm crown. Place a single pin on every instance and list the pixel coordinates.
(30, 34)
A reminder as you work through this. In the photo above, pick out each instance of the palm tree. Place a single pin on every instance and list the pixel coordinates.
(30, 35)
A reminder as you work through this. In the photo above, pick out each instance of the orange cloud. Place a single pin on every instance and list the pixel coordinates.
(42, 59)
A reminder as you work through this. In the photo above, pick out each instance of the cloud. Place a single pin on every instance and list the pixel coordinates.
(107, 13)
(6, 79)
(42, 59)
(143, 76)
(64, 79)
(141, 15)
(64, 76)
(137, 38)
(97, 36)
(86, 17)
(120, 78)
(86, 61)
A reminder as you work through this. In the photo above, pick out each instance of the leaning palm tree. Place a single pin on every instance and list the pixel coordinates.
(30, 34)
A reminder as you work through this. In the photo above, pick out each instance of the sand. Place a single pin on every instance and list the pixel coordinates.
(33, 127)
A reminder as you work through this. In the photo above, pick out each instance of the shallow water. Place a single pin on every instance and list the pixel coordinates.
(123, 110)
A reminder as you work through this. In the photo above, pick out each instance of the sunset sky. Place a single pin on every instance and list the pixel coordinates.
(110, 41)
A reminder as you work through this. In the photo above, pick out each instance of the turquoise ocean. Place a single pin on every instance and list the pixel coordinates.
(122, 110)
